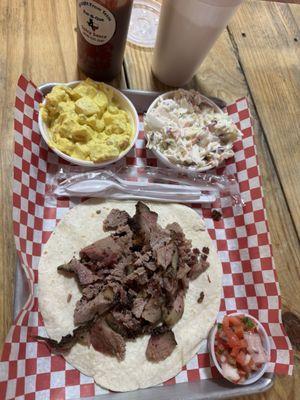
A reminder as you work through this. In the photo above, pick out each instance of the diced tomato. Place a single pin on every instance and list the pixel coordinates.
(243, 344)
(223, 336)
(234, 321)
(232, 339)
(221, 346)
(247, 369)
(231, 345)
(225, 322)
(235, 351)
(239, 331)
(240, 358)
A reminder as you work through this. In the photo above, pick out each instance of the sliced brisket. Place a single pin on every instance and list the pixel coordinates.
(152, 310)
(84, 275)
(115, 219)
(197, 269)
(68, 341)
(138, 306)
(173, 312)
(106, 340)
(106, 251)
(125, 323)
(160, 346)
(86, 310)
(144, 221)
(133, 282)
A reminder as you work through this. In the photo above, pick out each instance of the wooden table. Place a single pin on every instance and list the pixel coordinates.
(257, 56)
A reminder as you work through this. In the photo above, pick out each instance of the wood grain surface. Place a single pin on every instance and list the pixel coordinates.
(258, 59)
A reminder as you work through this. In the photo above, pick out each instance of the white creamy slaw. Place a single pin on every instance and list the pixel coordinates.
(190, 132)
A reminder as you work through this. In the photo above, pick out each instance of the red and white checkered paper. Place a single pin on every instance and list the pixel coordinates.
(28, 369)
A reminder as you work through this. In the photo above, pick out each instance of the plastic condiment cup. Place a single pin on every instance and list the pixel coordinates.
(255, 375)
(123, 102)
(177, 167)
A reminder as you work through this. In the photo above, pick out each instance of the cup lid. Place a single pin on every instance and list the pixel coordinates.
(143, 23)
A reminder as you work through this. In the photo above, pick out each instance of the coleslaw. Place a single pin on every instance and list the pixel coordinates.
(189, 131)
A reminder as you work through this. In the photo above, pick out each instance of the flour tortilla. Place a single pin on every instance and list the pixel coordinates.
(80, 227)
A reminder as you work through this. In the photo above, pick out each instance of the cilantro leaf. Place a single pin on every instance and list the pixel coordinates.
(249, 323)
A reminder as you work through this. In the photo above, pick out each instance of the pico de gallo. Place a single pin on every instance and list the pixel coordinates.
(238, 348)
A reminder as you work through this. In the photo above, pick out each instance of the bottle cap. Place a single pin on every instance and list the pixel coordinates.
(143, 23)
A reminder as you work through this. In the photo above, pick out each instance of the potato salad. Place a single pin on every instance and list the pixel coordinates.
(86, 122)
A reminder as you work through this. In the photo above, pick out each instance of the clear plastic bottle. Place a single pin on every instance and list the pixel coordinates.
(187, 31)
(102, 27)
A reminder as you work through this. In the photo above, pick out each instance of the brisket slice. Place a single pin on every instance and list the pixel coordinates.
(84, 275)
(137, 278)
(68, 341)
(123, 237)
(173, 313)
(152, 310)
(176, 233)
(197, 269)
(115, 219)
(170, 285)
(145, 260)
(106, 340)
(125, 323)
(122, 297)
(106, 251)
(155, 285)
(91, 291)
(144, 221)
(138, 306)
(86, 310)
(160, 346)
(183, 271)
(162, 245)
(164, 254)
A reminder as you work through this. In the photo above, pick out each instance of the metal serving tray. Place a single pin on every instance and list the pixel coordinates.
(202, 390)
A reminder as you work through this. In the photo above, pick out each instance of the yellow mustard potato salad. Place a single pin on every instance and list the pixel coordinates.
(85, 122)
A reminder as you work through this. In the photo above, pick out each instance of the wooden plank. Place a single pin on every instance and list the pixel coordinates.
(221, 75)
(295, 10)
(270, 58)
(40, 41)
(7, 251)
(283, 1)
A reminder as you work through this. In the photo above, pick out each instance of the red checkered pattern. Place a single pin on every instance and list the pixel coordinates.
(27, 369)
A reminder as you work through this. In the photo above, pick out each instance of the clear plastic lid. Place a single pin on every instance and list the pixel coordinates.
(143, 23)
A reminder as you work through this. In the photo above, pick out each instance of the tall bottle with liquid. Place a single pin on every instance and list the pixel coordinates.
(102, 27)
(187, 30)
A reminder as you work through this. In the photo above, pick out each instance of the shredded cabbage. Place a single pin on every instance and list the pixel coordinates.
(190, 132)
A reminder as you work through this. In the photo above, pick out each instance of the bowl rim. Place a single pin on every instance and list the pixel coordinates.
(160, 155)
(77, 161)
(266, 345)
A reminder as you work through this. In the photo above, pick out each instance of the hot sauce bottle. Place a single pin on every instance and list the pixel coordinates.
(102, 27)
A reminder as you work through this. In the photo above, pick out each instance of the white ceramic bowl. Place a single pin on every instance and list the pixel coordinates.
(124, 103)
(265, 342)
(161, 156)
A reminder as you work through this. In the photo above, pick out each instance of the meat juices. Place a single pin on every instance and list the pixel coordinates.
(133, 283)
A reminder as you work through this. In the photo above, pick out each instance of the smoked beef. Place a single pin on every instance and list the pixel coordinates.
(133, 282)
